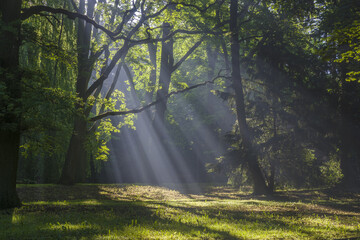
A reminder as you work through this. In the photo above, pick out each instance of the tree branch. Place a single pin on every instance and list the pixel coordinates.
(140, 109)
(119, 54)
(191, 50)
(108, 95)
(172, 34)
(74, 6)
(28, 12)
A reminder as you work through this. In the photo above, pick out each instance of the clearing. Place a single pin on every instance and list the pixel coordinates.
(101, 211)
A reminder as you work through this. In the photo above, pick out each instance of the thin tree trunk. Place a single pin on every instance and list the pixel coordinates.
(152, 47)
(10, 123)
(272, 164)
(210, 98)
(259, 184)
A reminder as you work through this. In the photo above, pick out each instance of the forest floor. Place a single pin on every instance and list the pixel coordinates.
(91, 211)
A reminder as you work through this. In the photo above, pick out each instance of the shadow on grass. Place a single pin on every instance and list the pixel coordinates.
(89, 211)
(61, 214)
(328, 198)
(6, 216)
(284, 220)
(88, 222)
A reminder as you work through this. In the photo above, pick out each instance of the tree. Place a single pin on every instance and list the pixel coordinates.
(48, 53)
(76, 158)
(251, 158)
(10, 95)
(340, 25)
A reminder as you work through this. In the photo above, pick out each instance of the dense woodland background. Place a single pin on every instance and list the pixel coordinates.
(251, 93)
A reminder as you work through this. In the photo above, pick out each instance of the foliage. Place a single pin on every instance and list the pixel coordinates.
(331, 171)
(97, 143)
(297, 102)
(47, 115)
(351, 37)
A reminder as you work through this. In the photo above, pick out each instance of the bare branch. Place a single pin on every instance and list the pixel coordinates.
(47, 18)
(127, 16)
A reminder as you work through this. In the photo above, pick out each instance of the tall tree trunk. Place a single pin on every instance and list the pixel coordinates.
(167, 62)
(10, 124)
(259, 183)
(348, 135)
(74, 169)
(166, 69)
(75, 165)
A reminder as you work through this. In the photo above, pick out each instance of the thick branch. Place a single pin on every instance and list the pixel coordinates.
(119, 54)
(28, 12)
(191, 50)
(108, 95)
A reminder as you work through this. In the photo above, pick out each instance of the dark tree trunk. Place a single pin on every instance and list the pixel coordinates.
(167, 62)
(259, 183)
(76, 163)
(10, 124)
(348, 134)
(152, 80)
(93, 173)
(9, 154)
(349, 158)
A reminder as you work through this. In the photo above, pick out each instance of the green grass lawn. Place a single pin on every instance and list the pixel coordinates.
(150, 212)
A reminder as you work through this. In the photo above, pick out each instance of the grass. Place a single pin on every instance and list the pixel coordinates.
(177, 212)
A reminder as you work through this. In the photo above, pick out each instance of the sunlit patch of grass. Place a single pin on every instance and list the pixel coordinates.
(151, 212)
(139, 193)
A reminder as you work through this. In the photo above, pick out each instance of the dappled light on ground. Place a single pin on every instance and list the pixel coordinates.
(174, 212)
